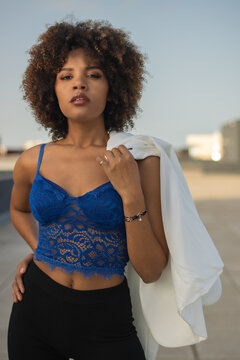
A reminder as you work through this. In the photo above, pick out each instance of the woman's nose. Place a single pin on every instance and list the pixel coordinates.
(80, 86)
(80, 82)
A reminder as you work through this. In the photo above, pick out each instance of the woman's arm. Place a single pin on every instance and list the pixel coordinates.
(20, 214)
(147, 245)
(20, 211)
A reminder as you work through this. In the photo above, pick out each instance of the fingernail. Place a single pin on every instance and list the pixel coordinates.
(21, 270)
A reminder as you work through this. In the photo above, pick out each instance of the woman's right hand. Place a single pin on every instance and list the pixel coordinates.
(17, 284)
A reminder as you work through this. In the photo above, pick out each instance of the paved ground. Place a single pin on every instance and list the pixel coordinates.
(217, 198)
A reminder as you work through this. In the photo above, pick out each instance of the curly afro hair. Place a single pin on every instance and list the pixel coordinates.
(120, 59)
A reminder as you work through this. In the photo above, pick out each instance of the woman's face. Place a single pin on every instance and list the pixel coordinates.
(76, 76)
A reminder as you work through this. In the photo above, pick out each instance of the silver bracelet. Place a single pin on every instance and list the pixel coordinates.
(138, 216)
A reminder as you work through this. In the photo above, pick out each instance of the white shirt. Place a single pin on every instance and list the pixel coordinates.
(169, 311)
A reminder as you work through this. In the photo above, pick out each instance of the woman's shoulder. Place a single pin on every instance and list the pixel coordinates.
(30, 155)
(27, 161)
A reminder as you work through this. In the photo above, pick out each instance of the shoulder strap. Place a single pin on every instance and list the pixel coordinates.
(40, 156)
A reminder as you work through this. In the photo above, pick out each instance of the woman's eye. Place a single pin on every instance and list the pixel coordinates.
(95, 75)
(91, 75)
(64, 77)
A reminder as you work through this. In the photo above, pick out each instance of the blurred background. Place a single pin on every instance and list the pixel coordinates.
(191, 99)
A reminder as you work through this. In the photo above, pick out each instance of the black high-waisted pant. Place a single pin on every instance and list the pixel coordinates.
(54, 322)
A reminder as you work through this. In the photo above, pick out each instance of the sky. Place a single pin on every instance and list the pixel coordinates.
(193, 62)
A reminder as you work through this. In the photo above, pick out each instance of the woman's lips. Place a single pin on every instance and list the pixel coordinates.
(80, 102)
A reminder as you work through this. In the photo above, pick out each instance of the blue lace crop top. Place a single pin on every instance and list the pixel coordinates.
(83, 234)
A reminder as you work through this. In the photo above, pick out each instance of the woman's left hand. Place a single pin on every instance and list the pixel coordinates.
(122, 170)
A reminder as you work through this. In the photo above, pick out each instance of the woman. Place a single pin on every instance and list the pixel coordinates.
(77, 204)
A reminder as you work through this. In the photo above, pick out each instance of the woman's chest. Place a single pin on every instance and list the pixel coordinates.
(77, 174)
(101, 206)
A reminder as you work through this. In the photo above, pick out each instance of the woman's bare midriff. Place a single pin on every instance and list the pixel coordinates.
(77, 281)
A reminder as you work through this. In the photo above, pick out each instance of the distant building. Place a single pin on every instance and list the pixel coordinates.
(3, 150)
(205, 146)
(231, 143)
(230, 161)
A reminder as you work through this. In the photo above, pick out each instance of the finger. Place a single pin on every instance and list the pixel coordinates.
(124, 150)
(112, 155)
(107, 158)
(22, 268)
(19, 295)
(17, 292)
(19, 283)
(14, 298)
(102, 160)
(117, 152)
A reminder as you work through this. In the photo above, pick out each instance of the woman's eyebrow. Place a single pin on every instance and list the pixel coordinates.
(87, 68)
